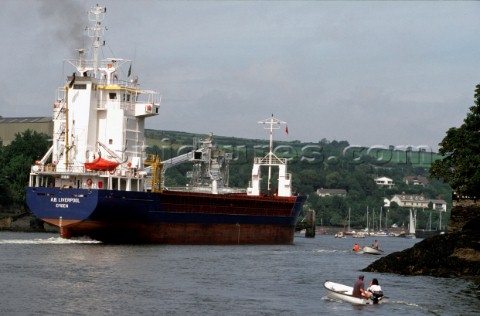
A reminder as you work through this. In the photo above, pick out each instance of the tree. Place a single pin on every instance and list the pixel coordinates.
(16, 160)
(461, 154)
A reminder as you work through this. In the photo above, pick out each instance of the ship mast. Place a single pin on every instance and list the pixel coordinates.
(271, 124)
(97, 15)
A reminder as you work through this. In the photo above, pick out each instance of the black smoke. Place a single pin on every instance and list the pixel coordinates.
(66, 22)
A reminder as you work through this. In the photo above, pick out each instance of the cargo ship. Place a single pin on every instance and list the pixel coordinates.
(97, 180)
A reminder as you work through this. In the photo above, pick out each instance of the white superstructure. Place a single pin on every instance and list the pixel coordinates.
(99, 142)
(271, 160)
(99, 113)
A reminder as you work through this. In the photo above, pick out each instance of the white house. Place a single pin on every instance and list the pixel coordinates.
(384, 181)
(439, 205)
(418, 201)
(410, 200)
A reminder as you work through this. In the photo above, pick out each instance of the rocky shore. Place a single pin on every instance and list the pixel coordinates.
(17, 218)
(455, 254)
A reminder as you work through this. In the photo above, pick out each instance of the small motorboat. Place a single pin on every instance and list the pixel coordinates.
(372, 251)
(340, 292)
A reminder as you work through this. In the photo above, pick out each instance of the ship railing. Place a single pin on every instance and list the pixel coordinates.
(148, 98)
(123, 173)
(76, 169)
(118, 82)
(42, 168)
(120, 173)
(270, 160)
(61, 95)
(200, 189)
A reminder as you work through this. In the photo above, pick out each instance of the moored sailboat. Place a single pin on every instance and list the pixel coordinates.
(412, 225)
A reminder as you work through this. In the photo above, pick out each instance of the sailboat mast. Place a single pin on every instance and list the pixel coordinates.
(386, 219)
(373, 219)
(348, 219)
(440, 220)
(430, 221)
(380, 224)
(368, 231)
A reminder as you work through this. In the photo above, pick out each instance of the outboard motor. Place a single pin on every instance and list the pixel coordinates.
(376, 296)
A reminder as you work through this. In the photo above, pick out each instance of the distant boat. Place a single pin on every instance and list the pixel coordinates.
(412, 225)
(358, 235)
(422, 233)
(337, 291)
(380, 234)
(428, 232)
(372, 251)
(349, 232)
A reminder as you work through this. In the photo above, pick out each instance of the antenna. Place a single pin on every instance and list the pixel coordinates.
(271, 124)
(96, 14)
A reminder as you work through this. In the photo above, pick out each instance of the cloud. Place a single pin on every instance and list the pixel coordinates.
(367, 72)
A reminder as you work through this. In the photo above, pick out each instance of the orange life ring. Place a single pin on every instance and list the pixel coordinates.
(89, 182)
(148, 108)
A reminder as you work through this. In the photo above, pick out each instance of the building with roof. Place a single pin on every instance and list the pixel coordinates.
(384, 182)
(416, 180)
(418, 201)
(410, 200)
(439, 205)
(10, 126)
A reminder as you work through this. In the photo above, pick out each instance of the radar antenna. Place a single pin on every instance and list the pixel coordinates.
(96, 14)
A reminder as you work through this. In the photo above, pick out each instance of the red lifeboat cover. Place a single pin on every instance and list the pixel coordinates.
(101, 164)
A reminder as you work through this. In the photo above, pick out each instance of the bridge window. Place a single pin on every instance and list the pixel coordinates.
(80, 86)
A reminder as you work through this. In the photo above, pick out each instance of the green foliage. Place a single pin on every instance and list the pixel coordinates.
(461, 151)
(321, 165)
(16, 159)
(313, 166)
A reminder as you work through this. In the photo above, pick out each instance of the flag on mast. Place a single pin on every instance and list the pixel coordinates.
(286, 129)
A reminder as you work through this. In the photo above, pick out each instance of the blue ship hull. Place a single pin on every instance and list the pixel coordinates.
(167, 217)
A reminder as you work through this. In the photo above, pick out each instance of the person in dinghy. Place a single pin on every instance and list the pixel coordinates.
(359, 288)
(375, 291)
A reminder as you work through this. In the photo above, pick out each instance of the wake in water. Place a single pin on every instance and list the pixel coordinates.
(331, 251)
(418, 307)
(49, 241)
(395, 305)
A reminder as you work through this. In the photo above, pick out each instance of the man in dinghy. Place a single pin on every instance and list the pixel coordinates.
(359, 288)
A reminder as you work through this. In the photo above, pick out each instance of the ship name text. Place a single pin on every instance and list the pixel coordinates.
(63, 202)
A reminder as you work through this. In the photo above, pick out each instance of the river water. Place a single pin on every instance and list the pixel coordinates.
(44, 274)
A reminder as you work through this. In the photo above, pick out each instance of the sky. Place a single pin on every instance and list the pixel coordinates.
(373, 73)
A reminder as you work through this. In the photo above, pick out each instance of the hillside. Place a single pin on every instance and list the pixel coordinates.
(326, 164)
(455, 254)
